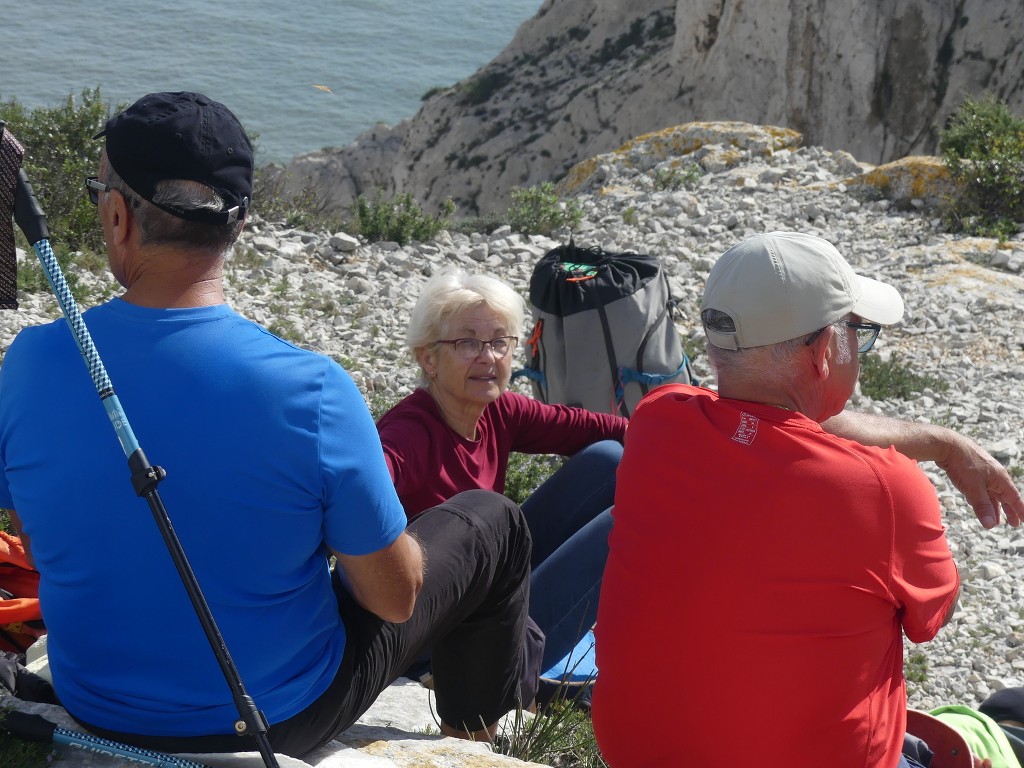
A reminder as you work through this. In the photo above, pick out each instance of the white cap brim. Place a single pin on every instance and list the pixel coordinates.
(878, 302)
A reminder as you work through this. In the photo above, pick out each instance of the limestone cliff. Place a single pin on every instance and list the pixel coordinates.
(875, 78)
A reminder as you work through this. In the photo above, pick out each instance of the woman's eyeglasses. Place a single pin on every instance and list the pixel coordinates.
(470, 349)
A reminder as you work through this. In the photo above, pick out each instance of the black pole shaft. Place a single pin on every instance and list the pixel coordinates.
(251, 720)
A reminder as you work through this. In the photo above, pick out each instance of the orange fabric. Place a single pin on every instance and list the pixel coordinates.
(759, 576)
(20, 618)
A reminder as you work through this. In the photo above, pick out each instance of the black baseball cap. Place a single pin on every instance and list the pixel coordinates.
(182, 135)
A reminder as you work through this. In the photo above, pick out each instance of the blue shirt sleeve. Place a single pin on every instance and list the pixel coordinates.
(362, 513)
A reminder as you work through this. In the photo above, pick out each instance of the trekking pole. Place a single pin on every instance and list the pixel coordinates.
(145, 477)
(37, 728)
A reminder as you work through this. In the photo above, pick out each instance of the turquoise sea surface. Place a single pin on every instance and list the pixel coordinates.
(262, 58)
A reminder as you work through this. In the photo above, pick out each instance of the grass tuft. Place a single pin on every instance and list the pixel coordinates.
(883, 379)
(559, 735)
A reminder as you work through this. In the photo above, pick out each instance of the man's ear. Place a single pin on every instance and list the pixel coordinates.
(122, 223)
(821, 353)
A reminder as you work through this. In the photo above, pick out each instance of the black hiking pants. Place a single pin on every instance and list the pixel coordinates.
(471, 611)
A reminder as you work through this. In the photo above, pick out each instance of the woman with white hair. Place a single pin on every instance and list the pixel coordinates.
(456, 432)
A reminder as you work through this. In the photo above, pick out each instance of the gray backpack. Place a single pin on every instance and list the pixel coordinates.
(603, 333)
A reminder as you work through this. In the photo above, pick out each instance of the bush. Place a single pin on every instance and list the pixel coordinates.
(526, 471)
(539, 211)
(882, 379)
(560, 734)
(684, 177)
(308, 209)
(983, 147)
(399, 219)
(485, 224)
(59, 153)
(478, 90)
(18, 753)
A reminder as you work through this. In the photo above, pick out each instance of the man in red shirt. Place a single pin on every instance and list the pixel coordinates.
(783, 572)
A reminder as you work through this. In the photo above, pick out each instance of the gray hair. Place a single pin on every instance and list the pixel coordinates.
(447, 294)
(158, 227)
(771, 364)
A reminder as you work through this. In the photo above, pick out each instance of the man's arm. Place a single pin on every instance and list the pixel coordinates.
(386, 582)
(984, 482)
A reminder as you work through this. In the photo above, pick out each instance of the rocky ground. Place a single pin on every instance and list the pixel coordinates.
(964, 325)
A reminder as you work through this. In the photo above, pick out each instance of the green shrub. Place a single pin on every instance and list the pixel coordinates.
(560, 734)
(671, 179)
(17, 753)
(380, 403)
(983, 147)
(526, 471)
(916, 669)
(308, 209)
(480, 89)
(884, 379)
(539, 211)
(399, 219)
(473, 224)
(59, 153)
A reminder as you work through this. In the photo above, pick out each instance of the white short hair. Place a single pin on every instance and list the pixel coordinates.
(447, 294)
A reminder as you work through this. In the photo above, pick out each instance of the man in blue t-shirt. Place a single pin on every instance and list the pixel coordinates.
(273, 464)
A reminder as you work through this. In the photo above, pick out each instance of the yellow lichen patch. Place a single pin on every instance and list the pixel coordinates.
(617, 189)
(918, 177)
(578, 174)
(785, 138)
(977, 280)
(689, 137)
(877, 178)
(731, 157)
(681, 140)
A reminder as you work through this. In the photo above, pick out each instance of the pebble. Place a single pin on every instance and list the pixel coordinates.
(964, 326)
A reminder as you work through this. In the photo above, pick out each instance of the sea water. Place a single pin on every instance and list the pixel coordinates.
(303, 75)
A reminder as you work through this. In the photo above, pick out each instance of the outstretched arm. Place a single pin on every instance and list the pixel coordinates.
(982, 480)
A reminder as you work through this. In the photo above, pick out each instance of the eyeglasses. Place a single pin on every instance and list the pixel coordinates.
(867, 333)
(94, 186)
(470, 349)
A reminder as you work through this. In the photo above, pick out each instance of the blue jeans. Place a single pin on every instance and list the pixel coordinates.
(908, 762)
(570, 518)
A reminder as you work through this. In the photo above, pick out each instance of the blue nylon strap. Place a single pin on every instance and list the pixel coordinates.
(531, 373)
(629, 375)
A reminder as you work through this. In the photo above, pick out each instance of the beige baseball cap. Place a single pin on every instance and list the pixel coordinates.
(781, 285)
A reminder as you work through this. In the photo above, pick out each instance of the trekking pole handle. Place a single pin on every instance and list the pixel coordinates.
(28, 213)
